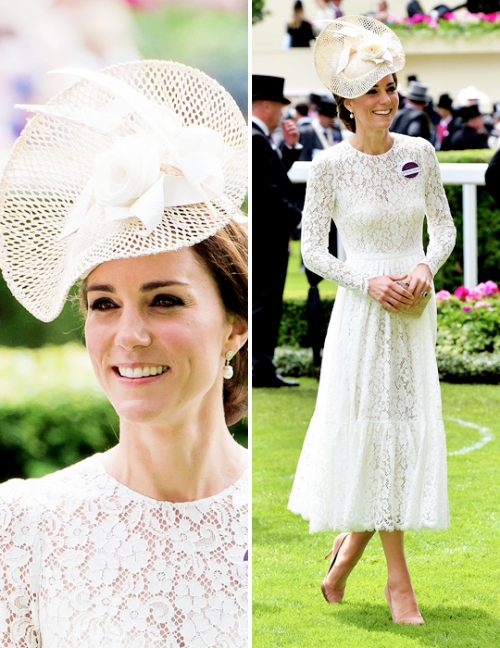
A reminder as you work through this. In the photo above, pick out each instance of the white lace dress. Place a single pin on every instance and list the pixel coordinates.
(87, 563)
(374, 457)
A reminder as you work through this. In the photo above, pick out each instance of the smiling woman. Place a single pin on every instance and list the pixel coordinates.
(145, 544)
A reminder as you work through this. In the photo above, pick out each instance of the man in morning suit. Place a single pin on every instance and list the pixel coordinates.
(274, 217)
(320, 133)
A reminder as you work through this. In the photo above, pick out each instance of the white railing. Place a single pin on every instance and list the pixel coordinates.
(467, 175)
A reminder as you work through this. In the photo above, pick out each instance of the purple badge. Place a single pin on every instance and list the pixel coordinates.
(411, 170)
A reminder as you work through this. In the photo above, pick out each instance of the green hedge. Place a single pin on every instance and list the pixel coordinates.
(465, 368)
(468, 343)
(53, 412)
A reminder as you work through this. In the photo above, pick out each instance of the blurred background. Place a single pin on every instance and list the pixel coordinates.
(52, 412)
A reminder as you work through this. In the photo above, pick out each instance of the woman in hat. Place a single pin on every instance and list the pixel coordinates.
(131, 181)
(374, 458)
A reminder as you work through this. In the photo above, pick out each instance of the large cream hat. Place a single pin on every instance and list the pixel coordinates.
(354, 52)
(138, 159)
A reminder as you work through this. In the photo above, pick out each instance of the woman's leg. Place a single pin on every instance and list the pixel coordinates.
(350, 552)
(399, 590)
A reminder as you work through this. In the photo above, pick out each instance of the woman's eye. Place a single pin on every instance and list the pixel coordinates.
(167, 301)
(102, 304)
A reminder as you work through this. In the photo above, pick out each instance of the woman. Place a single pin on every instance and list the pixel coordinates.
(374, 458)
(299, 29)
(131, 180)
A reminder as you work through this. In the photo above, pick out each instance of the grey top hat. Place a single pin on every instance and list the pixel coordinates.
(327, 107)
(418, 92)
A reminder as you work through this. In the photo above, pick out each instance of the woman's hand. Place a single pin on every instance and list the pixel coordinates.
(420, 282)
(389, 294)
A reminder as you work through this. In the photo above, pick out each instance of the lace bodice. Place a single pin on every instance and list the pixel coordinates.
(378, 204)
(85, 562)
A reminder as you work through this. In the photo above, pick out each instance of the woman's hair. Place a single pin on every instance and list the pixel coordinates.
(297, 15)
(345, 114)
(225, 256)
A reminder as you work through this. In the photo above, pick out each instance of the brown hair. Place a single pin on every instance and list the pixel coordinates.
(345, 114)
(225, 256)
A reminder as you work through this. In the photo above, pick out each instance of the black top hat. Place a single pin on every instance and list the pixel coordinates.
(417, 92)
(326, 107)
(445, 101)
(470, 111)
(268, 87)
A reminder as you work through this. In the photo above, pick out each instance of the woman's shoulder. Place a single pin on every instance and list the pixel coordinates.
(410, 143)
(36, 494)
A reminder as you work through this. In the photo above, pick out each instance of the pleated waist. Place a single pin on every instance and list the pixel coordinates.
(376, 264)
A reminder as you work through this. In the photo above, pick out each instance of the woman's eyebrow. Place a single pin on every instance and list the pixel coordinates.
(153, 285)
(147, 287)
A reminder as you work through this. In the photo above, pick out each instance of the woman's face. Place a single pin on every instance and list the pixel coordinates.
(376, 109)
(157, 334)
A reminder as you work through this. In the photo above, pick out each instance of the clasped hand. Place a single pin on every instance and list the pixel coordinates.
(394, 297)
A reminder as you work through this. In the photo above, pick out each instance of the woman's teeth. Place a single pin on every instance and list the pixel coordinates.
(141, 372)
(382, 112)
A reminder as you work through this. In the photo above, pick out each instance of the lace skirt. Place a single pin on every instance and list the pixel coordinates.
(374, 457)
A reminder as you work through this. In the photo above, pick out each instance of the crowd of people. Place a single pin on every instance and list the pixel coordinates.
(467, 121)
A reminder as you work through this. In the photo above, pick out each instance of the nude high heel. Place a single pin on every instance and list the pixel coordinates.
(411, 619)
(332, 595)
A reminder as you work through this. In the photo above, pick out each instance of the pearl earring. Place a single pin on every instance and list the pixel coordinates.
(228, 371)
(351, 116)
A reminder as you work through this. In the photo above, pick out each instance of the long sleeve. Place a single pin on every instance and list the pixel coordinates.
(442, 230)
(316, 223)
(18, 570)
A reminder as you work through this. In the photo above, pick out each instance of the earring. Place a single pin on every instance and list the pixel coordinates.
(228, 371)
(351, 116)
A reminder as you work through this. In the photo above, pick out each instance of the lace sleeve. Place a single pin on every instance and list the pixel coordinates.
(442, 231)
(316, 223)
(18, 597)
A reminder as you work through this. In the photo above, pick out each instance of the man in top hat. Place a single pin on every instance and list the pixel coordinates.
(471, 134)
(448, 123)
(274, 216)
(412, 120)
(321, 132)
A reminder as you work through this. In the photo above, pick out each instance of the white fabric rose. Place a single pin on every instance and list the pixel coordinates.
(126, 171)
(373, 48)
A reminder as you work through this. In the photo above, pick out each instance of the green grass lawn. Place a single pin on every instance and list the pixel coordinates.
(456, 573)
(296, 281)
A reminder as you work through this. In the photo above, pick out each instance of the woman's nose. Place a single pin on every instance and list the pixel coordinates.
(132, 330)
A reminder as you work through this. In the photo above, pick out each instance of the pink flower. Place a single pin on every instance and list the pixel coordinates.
(473, 294)
(466, 308)
(482, 304)
(449, 15)
(490, 287)
(461, 293)
(442, 295)
(433, 23)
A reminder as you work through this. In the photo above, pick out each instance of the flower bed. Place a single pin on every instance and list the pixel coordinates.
(468, 336)
(451, 25)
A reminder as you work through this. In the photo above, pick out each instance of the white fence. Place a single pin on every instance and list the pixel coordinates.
(467, 175)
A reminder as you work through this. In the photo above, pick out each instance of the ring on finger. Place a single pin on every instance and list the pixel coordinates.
(424, 294)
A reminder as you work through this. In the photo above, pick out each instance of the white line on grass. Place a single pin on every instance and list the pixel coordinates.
(485, 432)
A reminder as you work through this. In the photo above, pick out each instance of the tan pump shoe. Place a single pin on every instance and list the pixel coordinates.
(407, 618)
(332, 595)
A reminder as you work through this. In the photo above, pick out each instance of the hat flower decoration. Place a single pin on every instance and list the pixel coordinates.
(354, 52)
(137, 159)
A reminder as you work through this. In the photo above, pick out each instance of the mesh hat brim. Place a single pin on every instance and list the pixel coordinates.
(329, 45)
(52, 162)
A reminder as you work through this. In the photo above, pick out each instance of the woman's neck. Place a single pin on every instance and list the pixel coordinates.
(179, 462)
(372, 142)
